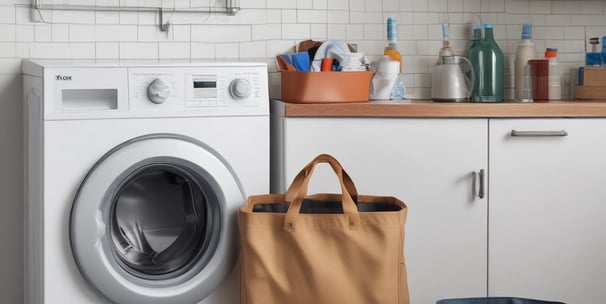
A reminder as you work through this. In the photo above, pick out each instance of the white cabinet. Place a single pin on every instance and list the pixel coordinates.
(428, 163)
(547, 218)
(540, 231)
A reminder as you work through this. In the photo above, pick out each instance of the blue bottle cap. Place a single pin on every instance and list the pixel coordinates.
(488, 25)
(392, 30)
(526, 31)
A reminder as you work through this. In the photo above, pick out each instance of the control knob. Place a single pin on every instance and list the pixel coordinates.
(158, 91)
(240, 88)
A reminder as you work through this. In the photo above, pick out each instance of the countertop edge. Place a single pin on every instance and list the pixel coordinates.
(429, 109)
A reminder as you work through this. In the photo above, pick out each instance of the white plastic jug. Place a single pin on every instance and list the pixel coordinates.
(385, 75)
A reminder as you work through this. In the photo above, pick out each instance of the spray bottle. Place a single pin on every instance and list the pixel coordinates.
(392, 37)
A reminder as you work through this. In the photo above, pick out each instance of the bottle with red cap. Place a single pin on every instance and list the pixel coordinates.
(555, 87)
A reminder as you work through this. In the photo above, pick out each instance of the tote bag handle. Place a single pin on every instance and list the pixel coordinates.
(298, 190)
(299, 185)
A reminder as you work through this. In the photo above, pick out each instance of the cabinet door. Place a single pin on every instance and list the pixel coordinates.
(547, 219)
(427, 163)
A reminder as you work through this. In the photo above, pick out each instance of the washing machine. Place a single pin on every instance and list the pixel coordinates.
(134, 174)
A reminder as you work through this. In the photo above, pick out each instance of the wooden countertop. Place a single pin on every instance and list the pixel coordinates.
(429, 109)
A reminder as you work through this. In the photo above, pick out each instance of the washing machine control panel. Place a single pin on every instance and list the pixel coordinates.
(224, 89)
(198, 88)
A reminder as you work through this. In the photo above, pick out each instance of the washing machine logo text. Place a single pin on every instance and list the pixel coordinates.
(63, 77)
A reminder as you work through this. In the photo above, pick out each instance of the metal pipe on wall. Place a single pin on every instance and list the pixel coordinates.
(232, 7)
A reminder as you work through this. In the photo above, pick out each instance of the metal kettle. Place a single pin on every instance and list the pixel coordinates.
(452, 77)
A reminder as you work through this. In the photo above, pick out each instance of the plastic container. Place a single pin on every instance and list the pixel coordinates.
(526, 50)
(325, 87)
(495, 300)
(384, 79)
(555, 76)
(539, 70)
(491, 69)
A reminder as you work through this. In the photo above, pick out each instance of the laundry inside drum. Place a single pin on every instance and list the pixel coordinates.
(159, 222)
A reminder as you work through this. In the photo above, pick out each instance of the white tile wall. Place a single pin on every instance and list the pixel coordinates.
(176, 50)
(60, 32)
(227, 51)
(7, 14)
(129, 18)
(438, 5)
(335, 32)
(107, 17)
(202, 51)
(319, 31)
(338, 5)
(7, 32)
(255, 49)
(472, 6)
(138, 50)
(391, 5)
(7, 49)
(296, 31)
(312, 16)
(338, 17)
(23, 33)
(107, 50)
(82, 50)
(263, 29)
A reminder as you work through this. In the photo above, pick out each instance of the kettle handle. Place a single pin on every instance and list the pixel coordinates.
(470, 80)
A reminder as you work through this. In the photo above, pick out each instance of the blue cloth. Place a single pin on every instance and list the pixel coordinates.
(299, 60)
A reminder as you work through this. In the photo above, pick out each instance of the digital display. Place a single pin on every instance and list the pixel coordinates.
(205, 84)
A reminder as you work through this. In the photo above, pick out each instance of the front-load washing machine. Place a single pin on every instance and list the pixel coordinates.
(134, 174)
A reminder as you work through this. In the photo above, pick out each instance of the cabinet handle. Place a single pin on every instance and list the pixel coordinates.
(479, 176)
(560, 133)
(481, 191)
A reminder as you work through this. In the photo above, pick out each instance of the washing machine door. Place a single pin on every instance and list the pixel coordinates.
(154, 221)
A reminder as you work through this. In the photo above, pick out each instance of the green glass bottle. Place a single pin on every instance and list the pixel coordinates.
(474, 56)
(490, 70)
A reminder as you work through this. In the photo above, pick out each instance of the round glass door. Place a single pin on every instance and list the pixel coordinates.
(154, 221)
(161, 221)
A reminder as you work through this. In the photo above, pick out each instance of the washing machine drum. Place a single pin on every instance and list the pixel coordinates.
(154, 221)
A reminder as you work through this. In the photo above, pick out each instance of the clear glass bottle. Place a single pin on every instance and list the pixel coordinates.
(593, 58)
(491, 69)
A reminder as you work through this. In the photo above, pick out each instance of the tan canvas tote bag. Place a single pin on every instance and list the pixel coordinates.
(324, 248)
